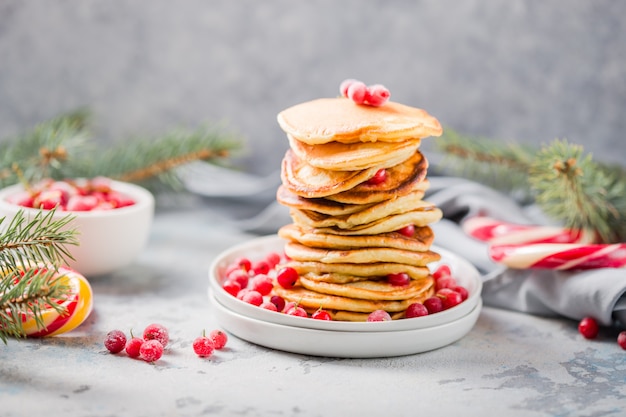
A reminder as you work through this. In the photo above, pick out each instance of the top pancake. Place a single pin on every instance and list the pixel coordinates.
(341, 120)
(337, 156)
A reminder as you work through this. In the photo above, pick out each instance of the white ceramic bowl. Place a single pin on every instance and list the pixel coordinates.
(109, 239)
(465, 273)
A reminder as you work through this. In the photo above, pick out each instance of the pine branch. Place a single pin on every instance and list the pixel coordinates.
(152, 161)
(39, 241)
(25, 293)
(61, 148)
(26, 287)
(581, 193)
(503, 166)
(51, 149)
(568, 186)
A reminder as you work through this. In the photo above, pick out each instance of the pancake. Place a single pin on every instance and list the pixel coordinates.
(403, 204)
(337, 156)
(303, 253)
(403, 178)
(341, 120)
(320, 205)
(379, 269)
(313, 300)
(422, 217)
(370, 290)
(421, 239)
(308, 181)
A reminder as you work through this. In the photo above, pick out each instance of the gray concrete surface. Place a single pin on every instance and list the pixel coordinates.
(517, 70)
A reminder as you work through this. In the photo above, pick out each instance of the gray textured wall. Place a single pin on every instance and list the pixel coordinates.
(508, 69)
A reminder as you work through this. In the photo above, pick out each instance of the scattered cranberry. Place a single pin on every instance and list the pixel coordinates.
(621, 339)
(243, 293)
(442, 271)
(357, 91)
(400, 279)
(377, 95)
(261, 267)
(588, 327)
(253, 297)
(219, 339)
(243, 263)
(296, 311)
(115, 341)
(345, 84)
(379, 315)
(287, 277)
(262, 284)
(445, 282)
(232, 287)
(240, 276)
(133, 346)
(408, 230)
(379, 177)
(268, 305)
(416, 310)
(203, 346)
(158, 332)
(151, 350)
(449, 298)
(461, 290)
(433, 305)
(321, 315)
(278, 301)
(273, 259)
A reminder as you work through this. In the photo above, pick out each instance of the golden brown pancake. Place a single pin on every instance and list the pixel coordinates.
(401, 179)
(421, 217)
(421, 239)
(403, 204)
(308, 181)
(313, 300)
(379, 269)
(370, 290)
(320, 205)
(303, 253)
(341, 120)
(337, 156)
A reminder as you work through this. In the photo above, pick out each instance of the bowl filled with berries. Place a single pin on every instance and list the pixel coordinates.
(112, 218)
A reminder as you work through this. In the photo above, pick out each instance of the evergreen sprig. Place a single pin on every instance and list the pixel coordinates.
(152, 161)
(567, 184)
(30, 254)
(63, 148)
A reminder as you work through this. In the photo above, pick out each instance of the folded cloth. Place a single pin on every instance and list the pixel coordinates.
(599, 293)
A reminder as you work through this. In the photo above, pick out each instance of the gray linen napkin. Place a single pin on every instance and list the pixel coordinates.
(600, 293)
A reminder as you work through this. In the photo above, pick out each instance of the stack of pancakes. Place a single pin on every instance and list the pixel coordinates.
(345, 237)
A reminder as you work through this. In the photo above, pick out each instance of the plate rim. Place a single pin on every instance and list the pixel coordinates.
(427, 321)
(343, 344)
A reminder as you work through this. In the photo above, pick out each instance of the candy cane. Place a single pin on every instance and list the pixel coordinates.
(496, 232)
(76, 308)
(560, 256)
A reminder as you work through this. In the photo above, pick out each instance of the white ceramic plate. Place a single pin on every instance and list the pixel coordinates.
(258, 248)
(342, 344)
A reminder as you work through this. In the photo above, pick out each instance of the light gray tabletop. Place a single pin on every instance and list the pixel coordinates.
(509, 364)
